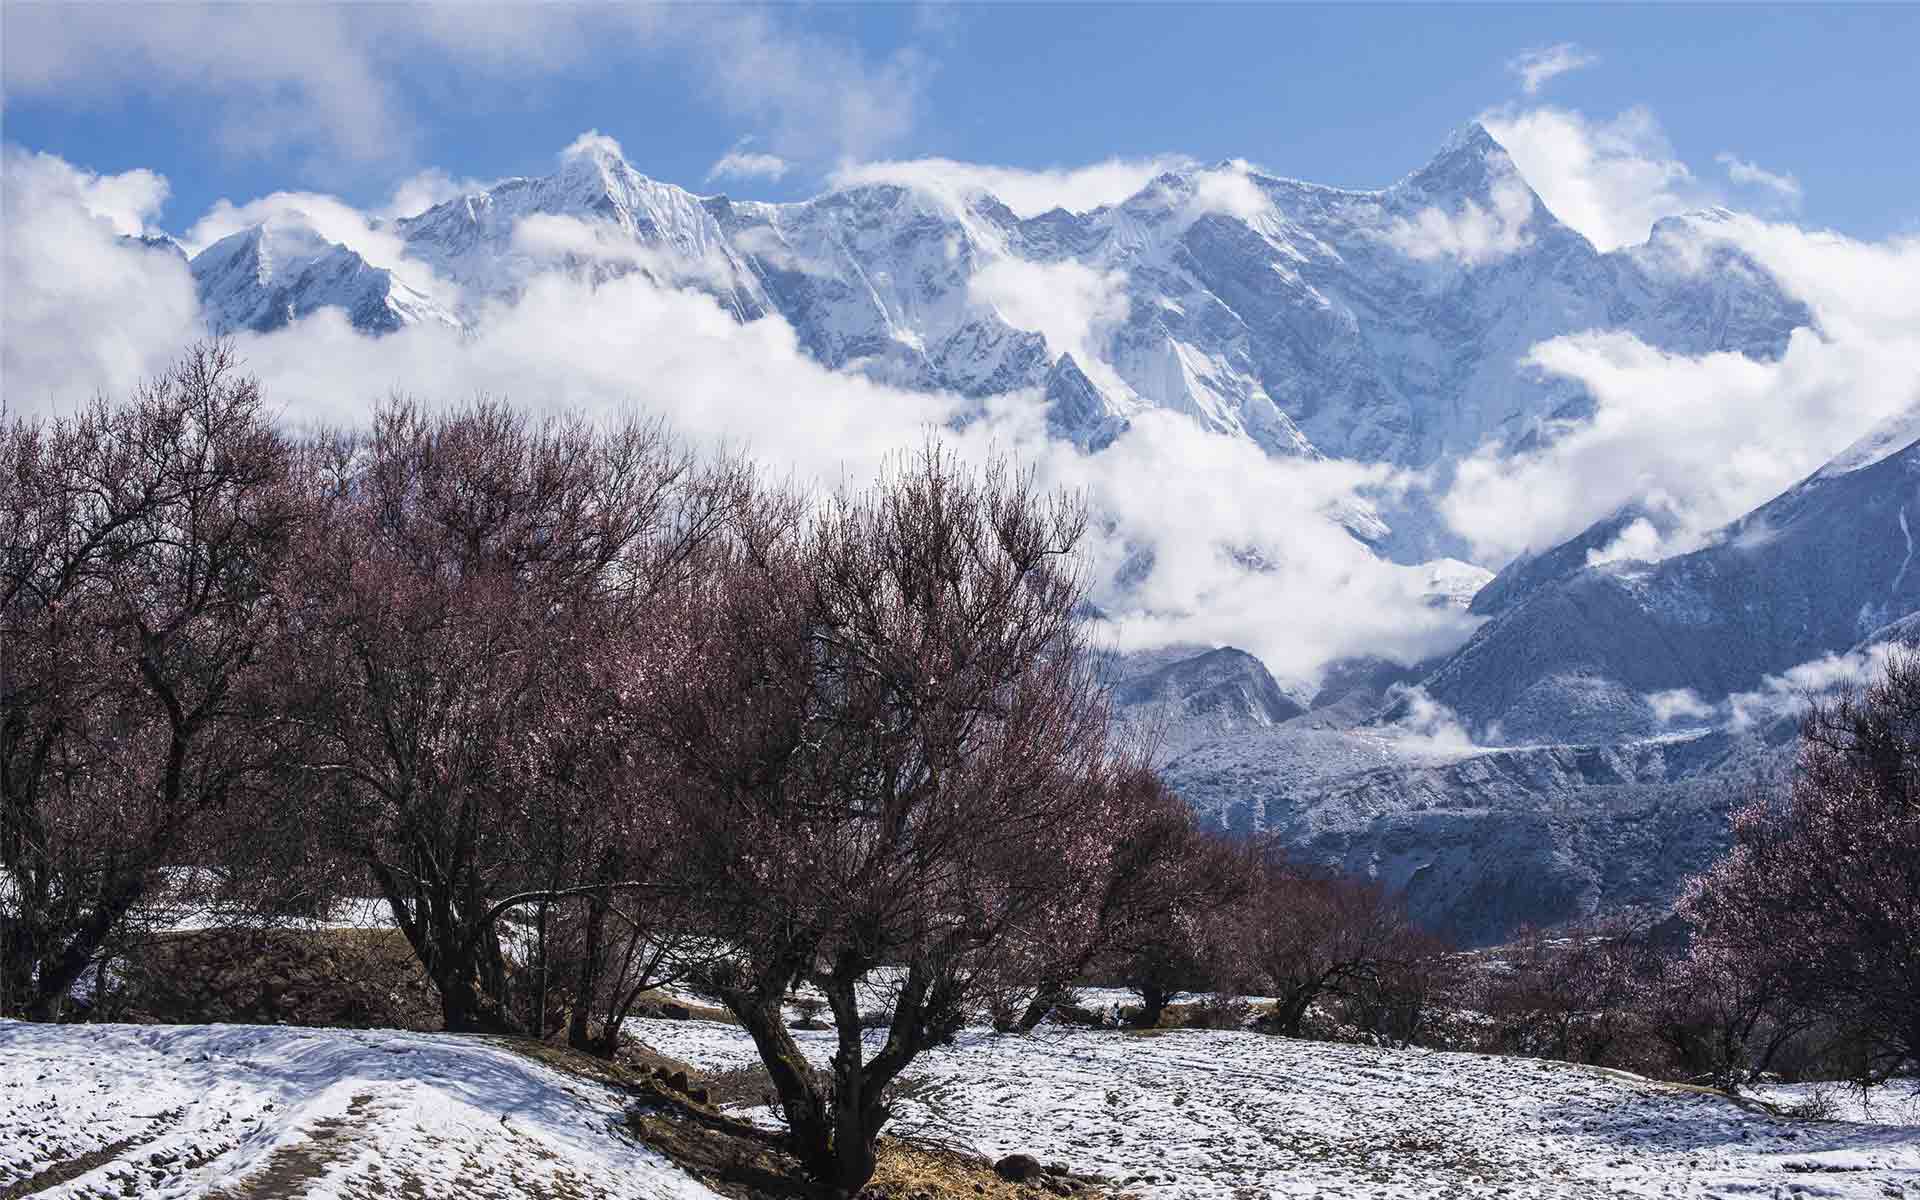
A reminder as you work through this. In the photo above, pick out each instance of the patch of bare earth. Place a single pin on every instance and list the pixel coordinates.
(746, 1162)
(68, 1169)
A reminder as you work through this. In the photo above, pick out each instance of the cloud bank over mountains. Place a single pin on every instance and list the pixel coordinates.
(1204, 536)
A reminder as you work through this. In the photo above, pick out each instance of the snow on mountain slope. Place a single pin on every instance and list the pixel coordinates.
(1214, 692)
(1812, 572)
(1386, 325)
(235, 1110)
(597, 215)
(278, 271)
(1191, 1115)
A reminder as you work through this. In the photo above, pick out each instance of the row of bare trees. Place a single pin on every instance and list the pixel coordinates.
(586, 712)
(1797, 952)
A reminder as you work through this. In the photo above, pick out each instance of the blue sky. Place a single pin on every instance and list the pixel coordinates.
(236, 103)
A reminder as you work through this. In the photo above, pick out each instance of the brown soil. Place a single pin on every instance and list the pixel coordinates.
(352, 978)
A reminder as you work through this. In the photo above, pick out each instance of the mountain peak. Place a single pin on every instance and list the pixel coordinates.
(1469, 163)
(1470, 136)
(593, 149)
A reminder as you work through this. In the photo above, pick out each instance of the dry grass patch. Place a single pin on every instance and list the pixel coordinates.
(745, 1162)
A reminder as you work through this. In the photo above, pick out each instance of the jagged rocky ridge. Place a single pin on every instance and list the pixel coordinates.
(1308, 319)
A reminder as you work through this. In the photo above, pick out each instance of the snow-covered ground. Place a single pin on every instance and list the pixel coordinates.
(234, 1111)
(255, 1112)
(1895, 1103)
(1227, 1116)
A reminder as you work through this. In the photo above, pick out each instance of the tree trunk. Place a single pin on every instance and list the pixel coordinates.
(1045, 1000)
(1290, 1011)
(587, 980)
(857, 1114)
(1153, 1001)
(803, 1102)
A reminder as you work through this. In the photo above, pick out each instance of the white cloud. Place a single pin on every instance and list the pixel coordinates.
(1536, 67)
(593, 144)
(1788, 693)
(324, 82)
(739, 162)
(816, 96)
(426, 189)
(1473, 236)
(1714, 436)
(83, 311)
(1027, 192)
(1638, 541)
(1065, 302)
(1242, 549)
(1784, 187)
(1229, 189)
(129, 201)
(1678, 704)
(1425, 729)
(306, 74)
(1609, 180)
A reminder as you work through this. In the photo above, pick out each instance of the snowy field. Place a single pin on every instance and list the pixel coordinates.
(251, 1113)
(239, 1112)
(1240, 1116)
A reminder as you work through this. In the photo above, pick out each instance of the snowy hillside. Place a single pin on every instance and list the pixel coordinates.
(233, 1111)
(1192, 1115)
(243, 1111)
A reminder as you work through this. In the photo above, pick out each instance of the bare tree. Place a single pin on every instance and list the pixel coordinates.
(1821, 890)
(145, 546)
(1180, 928)
(1724, 1019)
(893, 750)
(473, 611)
(1315, 935)
(1160, 893)
(1567, 993)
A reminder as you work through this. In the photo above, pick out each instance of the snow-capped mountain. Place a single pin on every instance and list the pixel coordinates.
(282, 269)
(1383, 326)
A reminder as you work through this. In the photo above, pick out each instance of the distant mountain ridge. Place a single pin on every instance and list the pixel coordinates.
(1813, 571)
(1309, 320)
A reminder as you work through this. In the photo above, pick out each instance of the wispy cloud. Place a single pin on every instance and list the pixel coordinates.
(1027, 192)
(1473, 235)
(329, 85)
(740, 162)
(1542, 64)
(1785, 187)
(1610, 179)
